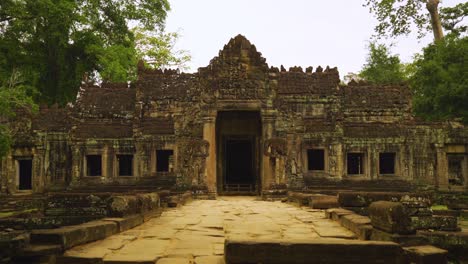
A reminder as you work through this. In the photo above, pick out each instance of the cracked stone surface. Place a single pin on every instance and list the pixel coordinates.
(195, 233)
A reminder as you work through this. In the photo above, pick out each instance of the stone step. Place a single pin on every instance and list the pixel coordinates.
(425, 254)
(305, 251)
(41, 250)
(70, 236)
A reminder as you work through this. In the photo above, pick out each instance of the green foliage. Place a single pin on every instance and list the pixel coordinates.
(440, 80)
(452, 18)
(396, 17)
(14, 94)
(382, 67)
(158, 51)
(55, 42)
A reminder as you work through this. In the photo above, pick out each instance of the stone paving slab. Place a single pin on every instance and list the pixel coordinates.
(196, 232)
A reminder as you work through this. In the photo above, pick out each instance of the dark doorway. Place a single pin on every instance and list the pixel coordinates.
(316, 159)
(355, 163)
(93, 165)
(239, 162)
(25, 174)
(162, 159)
(387, 163)
(238, 135)
(125, 165)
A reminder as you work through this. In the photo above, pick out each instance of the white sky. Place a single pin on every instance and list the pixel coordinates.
(289, 32)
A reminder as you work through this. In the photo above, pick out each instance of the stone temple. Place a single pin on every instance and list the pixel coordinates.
(235, 126)
(263, 152)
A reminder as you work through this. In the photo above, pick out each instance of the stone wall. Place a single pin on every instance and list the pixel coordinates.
(301, 110)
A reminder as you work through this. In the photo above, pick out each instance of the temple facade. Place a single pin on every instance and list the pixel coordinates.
(236, 125)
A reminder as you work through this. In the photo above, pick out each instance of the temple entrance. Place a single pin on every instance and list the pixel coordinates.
(25, 174)
(238, 140)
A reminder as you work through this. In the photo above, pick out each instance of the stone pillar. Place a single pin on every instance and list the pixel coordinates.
(267, 172)
(442, 169)
(38, 175)
(77, 164)
(209, 134)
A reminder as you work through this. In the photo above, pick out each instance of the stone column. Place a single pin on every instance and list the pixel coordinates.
(209, 134)
(442, 169)
(77, 164)
(38, 172)
(267, 176)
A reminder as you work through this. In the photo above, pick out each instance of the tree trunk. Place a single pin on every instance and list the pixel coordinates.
(433, 8)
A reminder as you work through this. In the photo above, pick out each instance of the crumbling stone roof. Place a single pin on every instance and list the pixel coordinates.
(52, 119)
(322, 83)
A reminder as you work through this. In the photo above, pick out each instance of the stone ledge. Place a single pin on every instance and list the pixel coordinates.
(425, 255)
(303, 251)
(70, 236)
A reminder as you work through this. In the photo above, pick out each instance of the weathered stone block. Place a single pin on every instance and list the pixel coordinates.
(404, 240)
(336, 213)
(148, 202)
(306, 251)
(426, 254)
(355, 223)
(455, 242)
(324, 202)
(70, 236)
(123, 205)
(390, 217)
(437, 222)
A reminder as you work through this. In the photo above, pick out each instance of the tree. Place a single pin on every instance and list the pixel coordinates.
(382, 67)
(440, 80)
(158, 49)
(396, 17)
(14, 94)
(55, 42)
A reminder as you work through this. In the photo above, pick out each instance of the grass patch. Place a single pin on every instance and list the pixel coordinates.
(439, 207)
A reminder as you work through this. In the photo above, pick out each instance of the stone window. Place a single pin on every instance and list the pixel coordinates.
(387, 163)
(355, 163)
(25, 174)
(94, 165)
(455, 169)
(316, 159)
(125, 165)
(162, 159)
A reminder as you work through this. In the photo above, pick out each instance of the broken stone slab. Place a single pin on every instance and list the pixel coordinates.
(277, 251)
(70, 236)
(324, 202)
(426, 254)
(336, 213)
(358, 224)
(148, 202)
(390, 217)
(404, 240)
(436, 222)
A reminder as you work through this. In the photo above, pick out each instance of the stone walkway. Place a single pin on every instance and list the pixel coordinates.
(195, 233)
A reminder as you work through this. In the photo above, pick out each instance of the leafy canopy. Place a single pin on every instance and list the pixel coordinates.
(55, 42)
(14, 94)
(382, 67)
(440, 80)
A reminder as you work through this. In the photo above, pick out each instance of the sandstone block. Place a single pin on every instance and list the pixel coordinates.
(390, 217)
(70, 236)
(324, 202)
(305, 251)
(425, 255)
